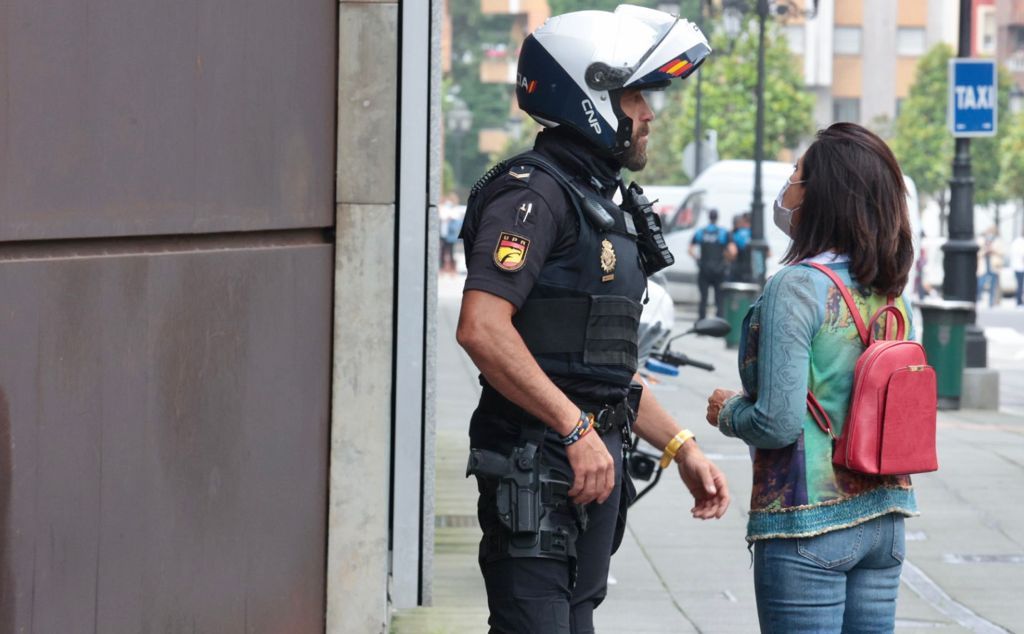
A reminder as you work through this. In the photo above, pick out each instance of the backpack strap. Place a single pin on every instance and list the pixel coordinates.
(889, 310)
(819, 415)
(866, 333)
(857, 319)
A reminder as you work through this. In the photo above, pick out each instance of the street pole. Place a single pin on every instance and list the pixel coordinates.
(697, 132)
(758, 245)
(960, 252)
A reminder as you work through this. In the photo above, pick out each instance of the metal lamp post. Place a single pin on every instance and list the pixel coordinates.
(758, 245)
(960, 252)
(732, 23)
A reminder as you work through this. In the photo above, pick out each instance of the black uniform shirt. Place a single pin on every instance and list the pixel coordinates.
(525, 218)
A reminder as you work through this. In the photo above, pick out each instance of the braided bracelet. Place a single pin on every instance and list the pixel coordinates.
(583, 426)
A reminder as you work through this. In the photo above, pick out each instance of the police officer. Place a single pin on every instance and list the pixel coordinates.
(551, 306)
(711, 248)
(739, 267)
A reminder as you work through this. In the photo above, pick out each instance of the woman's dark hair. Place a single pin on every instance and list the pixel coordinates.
(855, 203)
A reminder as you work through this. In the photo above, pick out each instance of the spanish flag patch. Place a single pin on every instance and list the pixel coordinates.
(510, 253)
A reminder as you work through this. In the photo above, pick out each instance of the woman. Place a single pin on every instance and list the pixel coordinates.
(828, 543)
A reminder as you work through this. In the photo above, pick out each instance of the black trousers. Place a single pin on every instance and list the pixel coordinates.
(710, 279)
(534, 595)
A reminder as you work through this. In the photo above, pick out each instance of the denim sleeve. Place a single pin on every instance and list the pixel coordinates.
(791, 314)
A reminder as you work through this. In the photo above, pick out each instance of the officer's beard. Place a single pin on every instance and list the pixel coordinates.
(635, 158)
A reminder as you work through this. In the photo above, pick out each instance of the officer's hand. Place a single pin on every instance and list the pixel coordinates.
(593, 469)
(704, 480)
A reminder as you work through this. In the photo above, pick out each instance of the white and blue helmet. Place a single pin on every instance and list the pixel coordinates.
(573, 68)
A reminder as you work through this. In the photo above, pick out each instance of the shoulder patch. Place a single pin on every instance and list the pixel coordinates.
(510, 252)
(521, 172)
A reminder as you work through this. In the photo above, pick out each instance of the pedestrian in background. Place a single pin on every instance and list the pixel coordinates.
(711, 248)
(922, 288)
(1017, 262)
(990, 264)
(450, 226)
(828, 542)
(739, 268)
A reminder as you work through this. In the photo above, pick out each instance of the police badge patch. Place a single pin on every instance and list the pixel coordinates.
(607, 261)
(510, 252)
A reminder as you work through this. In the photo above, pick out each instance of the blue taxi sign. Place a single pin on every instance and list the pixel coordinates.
(973, 97)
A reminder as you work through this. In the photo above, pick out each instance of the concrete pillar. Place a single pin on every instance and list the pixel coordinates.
(878, 45)
(363, 380)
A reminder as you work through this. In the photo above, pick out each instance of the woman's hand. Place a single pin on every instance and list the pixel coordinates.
(715, 403)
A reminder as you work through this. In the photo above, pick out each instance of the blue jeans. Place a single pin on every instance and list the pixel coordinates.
(843, 581)
(989, 282)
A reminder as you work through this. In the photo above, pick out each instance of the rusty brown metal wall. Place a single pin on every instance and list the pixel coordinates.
(166, 177)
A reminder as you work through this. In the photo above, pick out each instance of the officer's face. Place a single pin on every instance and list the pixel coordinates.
(635, 107)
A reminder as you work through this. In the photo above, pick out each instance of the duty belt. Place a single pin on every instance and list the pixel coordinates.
(607, 417)
(610, 418)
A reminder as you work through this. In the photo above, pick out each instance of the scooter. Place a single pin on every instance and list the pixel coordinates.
(642, 464)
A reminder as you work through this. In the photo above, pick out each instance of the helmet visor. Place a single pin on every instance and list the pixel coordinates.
(678, 50)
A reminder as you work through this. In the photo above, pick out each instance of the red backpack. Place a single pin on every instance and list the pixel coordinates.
(890, 427)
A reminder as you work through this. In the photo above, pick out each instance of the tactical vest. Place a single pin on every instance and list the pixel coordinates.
(712, 247)
(582, 316)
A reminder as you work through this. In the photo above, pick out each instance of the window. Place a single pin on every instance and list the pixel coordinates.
(985, 34)
(795, 37)
(847, 40)
(910, 42)
(1016, 38)
(846, 109)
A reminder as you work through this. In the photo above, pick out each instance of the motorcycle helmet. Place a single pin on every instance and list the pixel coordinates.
(573, 69)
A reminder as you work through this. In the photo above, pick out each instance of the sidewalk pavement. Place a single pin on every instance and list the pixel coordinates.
(674, 574)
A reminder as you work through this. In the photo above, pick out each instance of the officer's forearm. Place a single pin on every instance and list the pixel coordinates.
(653, 422)
(502, 357)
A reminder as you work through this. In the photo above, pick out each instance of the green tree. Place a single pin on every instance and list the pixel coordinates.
(923, 144)
(473, 34)
(1011, 159)
(729, 106)
(985, 152)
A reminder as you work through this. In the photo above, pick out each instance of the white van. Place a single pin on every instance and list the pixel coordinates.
(666, 198)
(728, 186)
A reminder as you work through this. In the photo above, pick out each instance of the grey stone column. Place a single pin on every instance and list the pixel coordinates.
(363, 381)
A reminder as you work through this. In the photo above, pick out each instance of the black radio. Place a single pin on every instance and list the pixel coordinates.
(654, 253)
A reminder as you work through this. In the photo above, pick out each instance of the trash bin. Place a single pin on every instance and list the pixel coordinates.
(736, 300)
(945, 323)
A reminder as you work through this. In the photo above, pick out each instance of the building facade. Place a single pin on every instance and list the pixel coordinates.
(859, 56)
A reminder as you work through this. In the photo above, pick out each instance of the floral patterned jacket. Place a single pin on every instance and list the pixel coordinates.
(800, 334)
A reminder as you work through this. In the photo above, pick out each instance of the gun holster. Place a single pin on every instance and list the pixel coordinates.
(532, 505)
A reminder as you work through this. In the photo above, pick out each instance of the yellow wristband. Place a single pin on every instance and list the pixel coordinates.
(673, 447)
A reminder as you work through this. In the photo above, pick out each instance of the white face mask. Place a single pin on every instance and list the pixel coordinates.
(783, 215)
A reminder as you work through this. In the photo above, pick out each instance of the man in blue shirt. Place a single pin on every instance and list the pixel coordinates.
(715, 245)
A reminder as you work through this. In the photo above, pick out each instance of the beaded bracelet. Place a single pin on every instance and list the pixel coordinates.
(583, 426)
